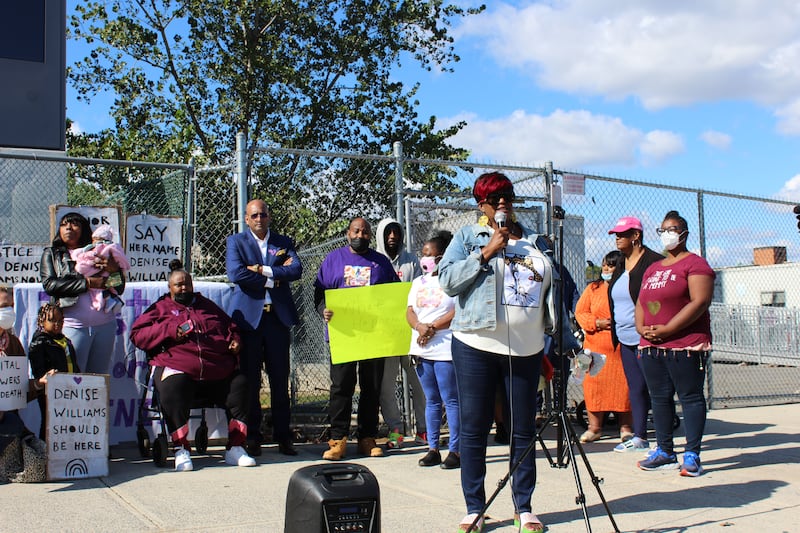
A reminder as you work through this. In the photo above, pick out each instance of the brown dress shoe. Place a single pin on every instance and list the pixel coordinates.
(368, 446)
(287, 448)
(337, 450)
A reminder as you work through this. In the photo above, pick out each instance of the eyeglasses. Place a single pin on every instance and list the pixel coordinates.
(493, 199)
(259, 215)
(671, 229)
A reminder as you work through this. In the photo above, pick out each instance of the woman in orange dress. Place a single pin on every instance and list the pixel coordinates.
(608, 390)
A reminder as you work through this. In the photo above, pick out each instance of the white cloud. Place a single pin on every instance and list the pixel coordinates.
(659, 145)
(789, 118)
(791, 189)
(717, 139)
(75, 128)
(571, 139)
(663, 53)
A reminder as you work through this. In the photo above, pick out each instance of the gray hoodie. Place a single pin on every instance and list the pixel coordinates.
(405, 263)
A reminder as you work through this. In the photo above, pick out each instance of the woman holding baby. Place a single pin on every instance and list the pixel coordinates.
(91, 330)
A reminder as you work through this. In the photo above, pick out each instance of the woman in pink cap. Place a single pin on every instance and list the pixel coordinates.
(623, 292)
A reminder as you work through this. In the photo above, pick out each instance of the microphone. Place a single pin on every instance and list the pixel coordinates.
(500, 218)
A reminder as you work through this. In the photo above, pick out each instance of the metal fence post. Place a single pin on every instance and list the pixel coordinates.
(400, 214)
(397, 149)
(191, 190)
(241, 179)
(701, 224)
(548, 180)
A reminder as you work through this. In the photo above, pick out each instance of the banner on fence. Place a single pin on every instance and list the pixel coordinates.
(13, 382)
(77, 426)
(368, 322)
(151, 243)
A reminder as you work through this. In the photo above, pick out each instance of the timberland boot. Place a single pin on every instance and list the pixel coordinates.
(367, 446)
(337, 450)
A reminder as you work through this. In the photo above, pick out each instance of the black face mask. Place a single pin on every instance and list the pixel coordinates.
(359, 245)
(184, 298)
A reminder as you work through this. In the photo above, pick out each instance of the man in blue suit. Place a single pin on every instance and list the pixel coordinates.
(261, 264)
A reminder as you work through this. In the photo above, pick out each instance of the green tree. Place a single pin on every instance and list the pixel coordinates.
(188, 75)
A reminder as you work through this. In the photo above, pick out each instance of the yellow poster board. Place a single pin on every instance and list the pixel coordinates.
(368, 322)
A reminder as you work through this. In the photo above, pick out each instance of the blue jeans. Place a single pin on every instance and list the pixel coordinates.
(94, 346)
(438, 380)
(681, 371)
(637, 389)
(476, 374)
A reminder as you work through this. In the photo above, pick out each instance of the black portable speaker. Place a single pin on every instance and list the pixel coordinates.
(333, 498)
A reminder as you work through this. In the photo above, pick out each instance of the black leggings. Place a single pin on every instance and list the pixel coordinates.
(178, 393)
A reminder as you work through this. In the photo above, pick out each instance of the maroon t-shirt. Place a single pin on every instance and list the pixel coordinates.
(665, 291)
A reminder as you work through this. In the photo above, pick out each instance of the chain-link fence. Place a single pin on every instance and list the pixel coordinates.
(729, 230)
(751, 242)
(32, 182)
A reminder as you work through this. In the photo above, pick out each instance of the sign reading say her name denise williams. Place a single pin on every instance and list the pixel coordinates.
(77, 426)
(151, 243)
(13, 382)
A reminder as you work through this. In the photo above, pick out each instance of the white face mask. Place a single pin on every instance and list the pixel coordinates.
(670, 239)
(606, 276)
(7, 317)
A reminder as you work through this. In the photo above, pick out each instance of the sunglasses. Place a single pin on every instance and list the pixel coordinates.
(493, 199)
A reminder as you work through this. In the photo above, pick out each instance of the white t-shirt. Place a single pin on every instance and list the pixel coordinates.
(430, 303)
(524, 277)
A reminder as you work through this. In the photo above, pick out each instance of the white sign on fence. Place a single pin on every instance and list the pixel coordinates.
(77, 426)
(13, 382)
(151, 243)
(19, 263)
(96, 215)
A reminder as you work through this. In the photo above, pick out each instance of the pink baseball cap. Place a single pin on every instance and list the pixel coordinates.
(626, 223)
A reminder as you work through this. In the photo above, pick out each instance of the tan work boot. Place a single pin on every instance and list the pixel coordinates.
(367, 446)
(337, 451)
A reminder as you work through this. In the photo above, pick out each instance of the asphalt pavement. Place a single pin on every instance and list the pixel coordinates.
(752, 483)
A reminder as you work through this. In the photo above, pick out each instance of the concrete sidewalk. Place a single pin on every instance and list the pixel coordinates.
(752, 483)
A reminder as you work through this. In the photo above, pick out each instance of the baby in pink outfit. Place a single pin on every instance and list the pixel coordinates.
(102, 246)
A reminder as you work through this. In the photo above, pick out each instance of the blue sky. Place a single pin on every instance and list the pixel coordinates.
(699, 94)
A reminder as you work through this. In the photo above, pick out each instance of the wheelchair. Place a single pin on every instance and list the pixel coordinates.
(150, 411)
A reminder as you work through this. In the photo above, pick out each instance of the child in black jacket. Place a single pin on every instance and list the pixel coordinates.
(49, 352)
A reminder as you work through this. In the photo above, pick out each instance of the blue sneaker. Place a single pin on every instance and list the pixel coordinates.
(659, 460)
(636, 444)
(691, 465)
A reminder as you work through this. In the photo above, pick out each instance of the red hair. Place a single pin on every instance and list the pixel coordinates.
(488, 183)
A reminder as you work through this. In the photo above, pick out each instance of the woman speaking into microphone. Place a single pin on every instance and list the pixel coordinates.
(504, 308)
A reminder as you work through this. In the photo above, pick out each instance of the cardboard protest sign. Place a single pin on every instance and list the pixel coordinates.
(19, 263)
(96, 215)
(77, 426)
(368, 322)
(150, 244)
(13, 382)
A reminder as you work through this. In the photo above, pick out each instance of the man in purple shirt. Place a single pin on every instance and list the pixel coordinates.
(354, 265)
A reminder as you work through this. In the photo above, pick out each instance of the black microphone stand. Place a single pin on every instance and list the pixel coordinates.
(566, 437)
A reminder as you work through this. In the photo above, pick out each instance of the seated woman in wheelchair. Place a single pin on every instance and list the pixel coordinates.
(196, 347)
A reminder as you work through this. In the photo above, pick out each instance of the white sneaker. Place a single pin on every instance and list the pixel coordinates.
(236, 456)
(183, 460)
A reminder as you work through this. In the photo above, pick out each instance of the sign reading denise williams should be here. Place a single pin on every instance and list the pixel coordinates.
(77, 426)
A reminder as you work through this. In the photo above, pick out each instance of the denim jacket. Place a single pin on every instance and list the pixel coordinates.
(462, 275)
